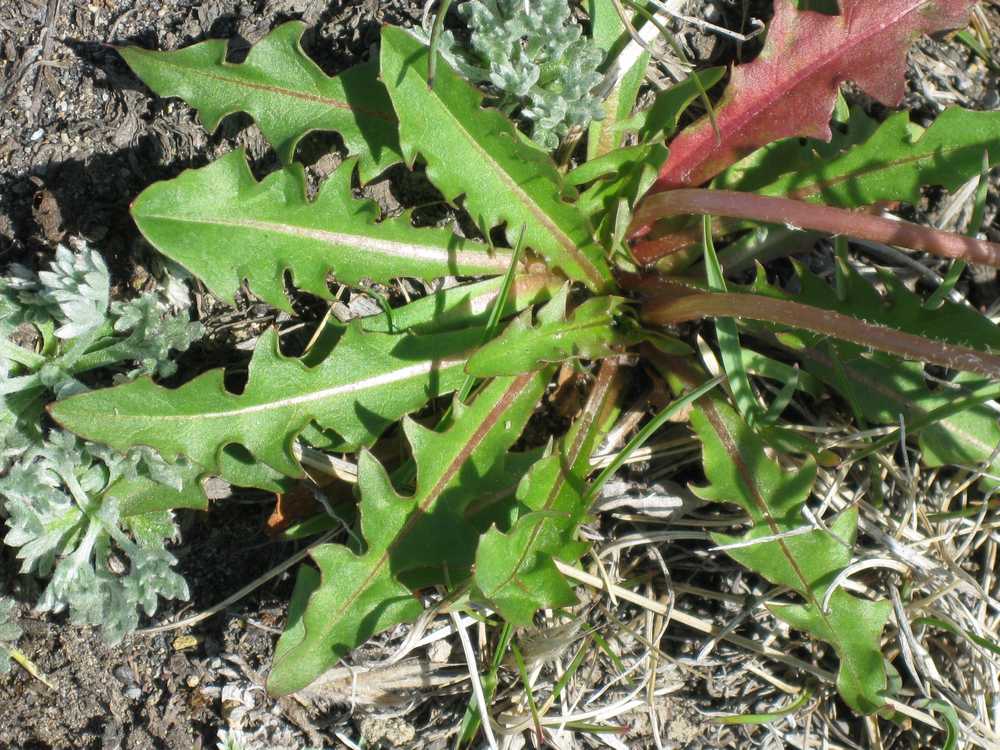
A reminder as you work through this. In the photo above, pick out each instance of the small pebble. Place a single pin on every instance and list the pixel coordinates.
(37, 135)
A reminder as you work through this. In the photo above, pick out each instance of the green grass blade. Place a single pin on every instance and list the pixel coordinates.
(728, 334)
(756, 719)
(975, 226)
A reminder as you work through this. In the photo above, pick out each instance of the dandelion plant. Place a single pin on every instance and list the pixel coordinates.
(560, 275)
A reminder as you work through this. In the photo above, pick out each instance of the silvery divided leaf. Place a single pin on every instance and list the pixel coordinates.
(79, 285)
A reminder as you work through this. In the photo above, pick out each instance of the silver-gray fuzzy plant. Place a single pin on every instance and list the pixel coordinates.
(537, 58)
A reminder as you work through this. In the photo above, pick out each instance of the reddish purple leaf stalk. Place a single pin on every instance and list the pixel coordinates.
(770, 210)
(670, 302)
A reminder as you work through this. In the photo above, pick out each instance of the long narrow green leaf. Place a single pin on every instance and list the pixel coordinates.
(786, 551)
(369, 381)
(609, 34)
(224, 226)
(359, 593)
(727, 333)
(285, 92)
(479, 154)
(514, 571)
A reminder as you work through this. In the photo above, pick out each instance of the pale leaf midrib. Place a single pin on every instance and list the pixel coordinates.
(271, 89)
(499, 260)
(358, 386)
(568, 245)
(423, 504)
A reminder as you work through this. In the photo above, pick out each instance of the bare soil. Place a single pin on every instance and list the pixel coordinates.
(80, 137)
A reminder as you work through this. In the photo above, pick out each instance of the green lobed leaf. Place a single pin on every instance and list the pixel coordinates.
(224, 227)
(141, 496)
(854, 627)
(368, 382)
(477, 153)
(467, 305)
(769, 163)
(285, 92)
(514, 571)
(892, 163)
(740, 471)
(594, 330)
(359, 593)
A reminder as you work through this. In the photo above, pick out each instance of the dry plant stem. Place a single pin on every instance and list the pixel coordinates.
(701, 626)
(31, 668)
(676, 303)
(772, 210)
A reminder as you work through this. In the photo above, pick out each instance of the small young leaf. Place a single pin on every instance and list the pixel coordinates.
(592, 331)
(661, 118)
(286, 93)
(624, 177)
(79, 285)
(359, 593)
(609, 34)
(369, 381)
(465, 306)
(224, 227)
(477, 153)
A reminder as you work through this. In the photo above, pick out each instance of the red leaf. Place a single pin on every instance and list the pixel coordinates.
(791, 88)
